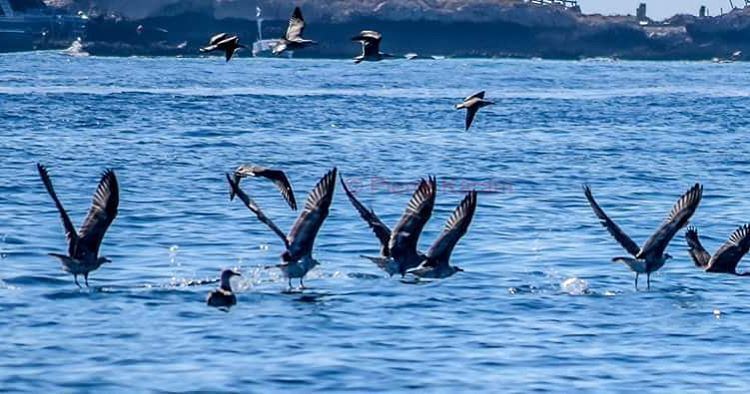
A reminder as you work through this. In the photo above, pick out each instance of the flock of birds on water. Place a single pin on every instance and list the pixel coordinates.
(399, 253)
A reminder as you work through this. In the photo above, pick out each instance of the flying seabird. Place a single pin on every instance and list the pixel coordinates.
(726, 259)
(297, 260)
(223, 297)
(398, 248)
(370, 41)
(83, 246)
(278, 178)
(472, 105)
(650, 257)
(293, 40)
(223, 42)
(437, 259)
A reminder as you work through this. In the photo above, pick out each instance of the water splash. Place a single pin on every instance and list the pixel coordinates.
(75, 49)
(575, 286)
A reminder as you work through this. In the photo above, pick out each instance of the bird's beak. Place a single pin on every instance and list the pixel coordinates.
(459, 269)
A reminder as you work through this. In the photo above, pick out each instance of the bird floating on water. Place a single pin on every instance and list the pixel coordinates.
(293, 40)
(472, 104)
(83, 246)
(437, 259)
(297, 260)
(651, 256)
(223, 297)
(278, 177)
(726, 259)
(398, 248)
(223, 42)
(370, 41)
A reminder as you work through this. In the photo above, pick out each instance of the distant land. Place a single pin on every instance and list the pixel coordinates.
(452, 28)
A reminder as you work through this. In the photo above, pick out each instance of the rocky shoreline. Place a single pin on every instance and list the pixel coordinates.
(513, 30)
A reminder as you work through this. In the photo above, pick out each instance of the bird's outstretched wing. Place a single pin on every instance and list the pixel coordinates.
(405, 236)
(305, 229)
(370, 41)
(696, 250)
(217, 38)
(296, 25)
(368, 215)
(278, 177)
(729, 255)
(471, 112)
(479, 95)
(252, 206)
(102, 212)
(619, 235)
(70, 230)
(456, 227)
(678, 218)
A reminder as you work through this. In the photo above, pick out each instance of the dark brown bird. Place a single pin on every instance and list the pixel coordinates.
(83, 246)
(472, 105)
(297, 260)
(293, 40)
(278, 177)
(726, 259)
(223, 297)
(651, 256)
(370, 41)
(398, 248)
(437, 261)
(223, 42)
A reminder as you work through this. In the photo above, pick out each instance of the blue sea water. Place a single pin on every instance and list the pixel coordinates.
(540, 306)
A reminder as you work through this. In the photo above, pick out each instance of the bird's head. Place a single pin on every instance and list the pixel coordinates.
(226, 275)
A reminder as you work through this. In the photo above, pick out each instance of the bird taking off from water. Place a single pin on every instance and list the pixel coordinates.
(370, 41)
(472, 105)
(83, 245)
(726, 259)
(297, 260)
(278, 177)
(398, 248)
(293, 40)
(437, 260)
(223, 297)
(223, 42)
(651, 256)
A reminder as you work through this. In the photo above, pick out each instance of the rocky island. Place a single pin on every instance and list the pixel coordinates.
(453, 28)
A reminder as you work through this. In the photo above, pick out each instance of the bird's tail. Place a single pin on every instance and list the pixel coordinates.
(379, 261)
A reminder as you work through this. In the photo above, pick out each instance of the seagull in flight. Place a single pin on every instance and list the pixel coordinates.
(83, 245)
(651, 256)
(223, 297)
(293, 40)
(278, 177)
(297, 259)
(472, 105)
(726, 259)
(370, 41)
(223, 42)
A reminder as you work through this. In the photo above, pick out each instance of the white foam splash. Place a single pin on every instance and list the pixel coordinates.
(575, 286)
(75, 49)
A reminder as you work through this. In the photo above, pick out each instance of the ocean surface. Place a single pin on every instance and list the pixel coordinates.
(540, 306)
